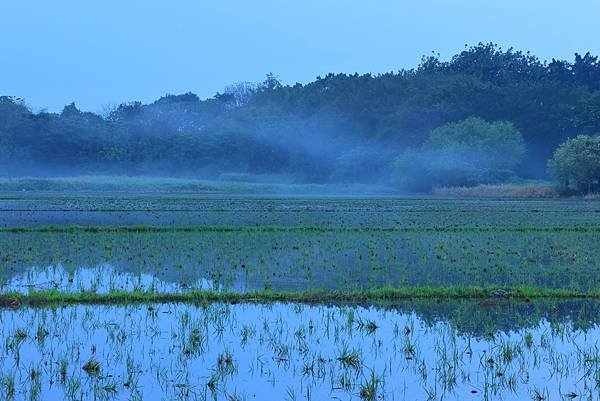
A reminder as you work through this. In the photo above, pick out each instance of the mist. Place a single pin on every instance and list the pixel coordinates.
(340, 129)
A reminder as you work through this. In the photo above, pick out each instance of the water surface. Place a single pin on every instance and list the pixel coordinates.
(292, 351)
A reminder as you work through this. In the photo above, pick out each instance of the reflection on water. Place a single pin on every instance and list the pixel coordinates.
(101, 279)
(288, 351)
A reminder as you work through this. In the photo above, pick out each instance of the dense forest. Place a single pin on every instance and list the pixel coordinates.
(338, 128)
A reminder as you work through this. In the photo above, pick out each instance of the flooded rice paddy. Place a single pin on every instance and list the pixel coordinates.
(490, 348)
(293, 352)
(245, 259)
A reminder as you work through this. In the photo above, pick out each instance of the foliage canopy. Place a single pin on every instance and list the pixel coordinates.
(576, 164)
(469, 152)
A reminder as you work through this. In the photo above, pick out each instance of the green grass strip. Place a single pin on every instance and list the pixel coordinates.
(55, 297)
(74, 229)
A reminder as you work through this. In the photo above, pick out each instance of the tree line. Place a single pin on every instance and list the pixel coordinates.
(485, 115)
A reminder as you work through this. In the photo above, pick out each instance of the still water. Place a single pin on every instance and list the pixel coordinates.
(296, 352)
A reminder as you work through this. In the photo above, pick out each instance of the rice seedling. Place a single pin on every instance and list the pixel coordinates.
(8, 383)
(349, 358)
(92, 367)
(369, 389)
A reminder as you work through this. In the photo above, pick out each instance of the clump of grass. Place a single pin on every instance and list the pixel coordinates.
(20, 335)
(368, 389)
(368, 326)
(225, 363)
(110, 388)
(42, 333)
(9, 386)
(92, 367)
(349, 358)
(212, 383)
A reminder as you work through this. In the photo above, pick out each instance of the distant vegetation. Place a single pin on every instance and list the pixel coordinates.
(466, 153)
(576, 164)
(483, 117)
(127, 184)
(527, 189)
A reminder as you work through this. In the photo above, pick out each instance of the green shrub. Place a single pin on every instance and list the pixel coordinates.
(576, 164)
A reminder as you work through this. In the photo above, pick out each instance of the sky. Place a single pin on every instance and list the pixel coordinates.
(99, 53)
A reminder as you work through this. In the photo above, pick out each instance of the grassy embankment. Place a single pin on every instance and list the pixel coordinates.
(55, 297)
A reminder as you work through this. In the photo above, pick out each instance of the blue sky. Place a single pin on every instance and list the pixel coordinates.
(103, 52)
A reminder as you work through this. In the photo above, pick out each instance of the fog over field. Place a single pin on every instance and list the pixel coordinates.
(485, 116)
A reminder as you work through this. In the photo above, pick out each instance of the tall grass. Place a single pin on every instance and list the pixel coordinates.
(500, 191)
